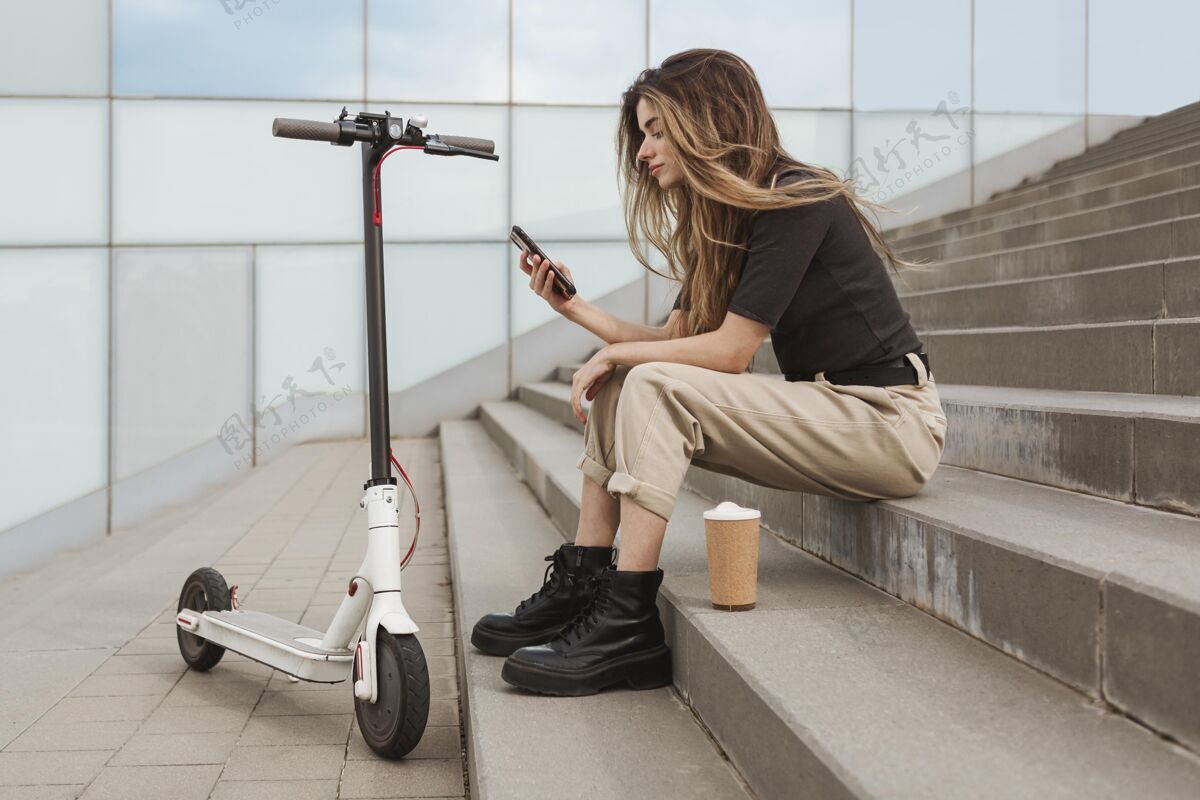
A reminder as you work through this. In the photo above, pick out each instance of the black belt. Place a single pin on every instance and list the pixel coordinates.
(893, 373)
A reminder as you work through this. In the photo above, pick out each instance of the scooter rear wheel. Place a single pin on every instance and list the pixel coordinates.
(205, 589)
(395, 722)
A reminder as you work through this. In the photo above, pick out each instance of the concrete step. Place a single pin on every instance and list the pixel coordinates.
(832, 688)
(1091, 160)
(1142, 211)
(1172, 239)
(1112, 294)
(1187, 118)
(618, 744)
(1086, 441)
(1050, 189)
(1168, 180)
(1134, 448)
(1128, 447)
(1149, 357)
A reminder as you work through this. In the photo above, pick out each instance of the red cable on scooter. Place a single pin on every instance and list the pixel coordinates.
(378, 217)
(415, 504)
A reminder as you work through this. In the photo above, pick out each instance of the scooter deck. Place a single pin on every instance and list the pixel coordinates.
(291, 648)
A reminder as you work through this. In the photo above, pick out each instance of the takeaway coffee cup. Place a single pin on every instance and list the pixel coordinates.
(732, 535)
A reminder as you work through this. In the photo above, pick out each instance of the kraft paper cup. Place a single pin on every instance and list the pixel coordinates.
(732, 535)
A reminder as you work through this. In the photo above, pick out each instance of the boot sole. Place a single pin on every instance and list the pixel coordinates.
(649, 669)
(499, 644)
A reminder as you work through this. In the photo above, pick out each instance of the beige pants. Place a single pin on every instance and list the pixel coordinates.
(648, 422)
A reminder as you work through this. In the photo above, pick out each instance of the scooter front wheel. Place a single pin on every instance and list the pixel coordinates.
(395, 722)
(204, 589)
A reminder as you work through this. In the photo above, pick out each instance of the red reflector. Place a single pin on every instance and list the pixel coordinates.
(353, 588)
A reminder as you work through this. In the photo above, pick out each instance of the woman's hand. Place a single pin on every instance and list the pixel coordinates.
(542, 282)
(589, 379)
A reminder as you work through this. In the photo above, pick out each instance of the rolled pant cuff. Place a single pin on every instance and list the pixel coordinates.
(644, 494)
(594, 469)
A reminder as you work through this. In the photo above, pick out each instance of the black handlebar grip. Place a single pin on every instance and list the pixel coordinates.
(470, 143)
(305, 129)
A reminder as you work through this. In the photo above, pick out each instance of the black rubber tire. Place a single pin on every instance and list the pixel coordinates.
(205, 589)
(394, 724)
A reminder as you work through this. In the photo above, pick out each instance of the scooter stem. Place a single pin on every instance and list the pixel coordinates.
(377, 376)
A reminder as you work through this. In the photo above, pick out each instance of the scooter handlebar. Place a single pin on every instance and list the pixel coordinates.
(310, 129)
(470, 143)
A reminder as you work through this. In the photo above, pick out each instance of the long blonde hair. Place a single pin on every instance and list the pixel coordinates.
(724, 141)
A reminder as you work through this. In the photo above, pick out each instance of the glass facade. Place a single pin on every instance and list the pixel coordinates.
(196, 282)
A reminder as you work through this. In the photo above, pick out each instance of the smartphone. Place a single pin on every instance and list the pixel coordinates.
(522, 240)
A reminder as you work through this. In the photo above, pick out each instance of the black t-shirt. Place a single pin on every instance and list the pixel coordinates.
(812, 277)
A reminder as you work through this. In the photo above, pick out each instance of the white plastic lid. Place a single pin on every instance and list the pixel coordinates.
(731, 510)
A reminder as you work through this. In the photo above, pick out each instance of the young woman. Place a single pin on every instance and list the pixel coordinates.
(760, 243)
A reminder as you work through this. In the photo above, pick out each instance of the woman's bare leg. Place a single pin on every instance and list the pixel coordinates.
(599, 515)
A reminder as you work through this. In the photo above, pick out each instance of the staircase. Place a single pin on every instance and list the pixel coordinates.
(1027, 626)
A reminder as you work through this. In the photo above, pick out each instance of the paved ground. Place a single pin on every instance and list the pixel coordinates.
(95, 701)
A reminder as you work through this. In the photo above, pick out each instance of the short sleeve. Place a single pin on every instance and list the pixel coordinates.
(782, 244)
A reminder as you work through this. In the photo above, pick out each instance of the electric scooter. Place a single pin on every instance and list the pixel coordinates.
(386, 664)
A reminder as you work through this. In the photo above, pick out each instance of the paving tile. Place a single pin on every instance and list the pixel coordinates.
(304, 703)
(197, 719)
(419, 778)
(285, 762)
(102, 709)
(150, 647)
(216, 692)
(36, 769)
(157, 684)
(442, 741)
(275, 790)
(64, 792)
(171, 749)
(48, 736)
(297, 730)
(143, 665)
(153, 783)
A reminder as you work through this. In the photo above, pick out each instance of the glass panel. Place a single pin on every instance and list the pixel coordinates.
(181, 353)
(896, 153)
(309, 324)
(450, 51)
(195, 171)
(816, 137)
(238, 48)
(1142, 57)
(446, 303)
(54, 47)
(911, 55)
(565, 173)
(1029, 56)
(814, 74)
(598, 268)
(54, 323)
(576, 52)
(996, 134)
(460, 197)
(55, 185)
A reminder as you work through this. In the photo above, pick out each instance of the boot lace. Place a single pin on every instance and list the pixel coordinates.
(600, 590)
(550, 582)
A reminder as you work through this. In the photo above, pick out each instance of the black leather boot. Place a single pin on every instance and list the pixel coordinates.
(564, 593)
(618, 638)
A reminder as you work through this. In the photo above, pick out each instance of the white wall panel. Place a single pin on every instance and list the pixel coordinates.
(53, 172)
(54, 400)
(181, 352)
(209, 172)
